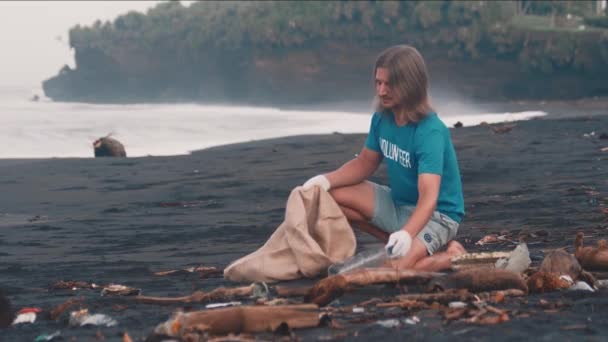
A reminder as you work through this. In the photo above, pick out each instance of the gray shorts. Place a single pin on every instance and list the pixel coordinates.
(390, 218)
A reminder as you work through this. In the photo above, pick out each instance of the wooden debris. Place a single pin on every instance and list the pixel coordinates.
(461, 295)
(404, 304)
(590, 258)
(330, 288)
(219, 294)
(562, 263)
(119, 290)
(480, 280)
(492, 238)
(287, 291)
(245, 319)
(61, 308)
(72, 285)
(203, 271)
(468, 260)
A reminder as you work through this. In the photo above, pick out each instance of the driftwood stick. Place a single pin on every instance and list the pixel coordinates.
(462, 295)
(333, 287)
(244, 319)
(218, 294)
(287, 291)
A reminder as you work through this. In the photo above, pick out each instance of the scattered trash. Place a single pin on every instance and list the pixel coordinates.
(412, 320)
(358, 310)
(389, 323)
(26, 315)
(47, 337)
(602, 283)
(482, 259)
(479, 280)
(72, 285)
(492, 238)
(119, 290)
(204, 271)
(581, 286)
(369, 258)
(82, 317)
(604, 149)
(457, 305)
(589, 135)
(518, 261)
(60, 309)
(221, 305)
(591, 258)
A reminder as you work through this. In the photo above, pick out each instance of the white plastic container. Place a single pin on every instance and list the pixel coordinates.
(365, 259)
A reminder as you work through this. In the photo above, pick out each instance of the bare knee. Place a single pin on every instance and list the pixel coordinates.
(359, 197)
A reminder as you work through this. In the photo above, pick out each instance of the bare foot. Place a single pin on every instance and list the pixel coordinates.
(454, 248)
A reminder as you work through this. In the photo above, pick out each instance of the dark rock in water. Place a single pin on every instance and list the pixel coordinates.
(458, 124)
(6, 311)
(35, 98)
(109, 147)
(604, 136)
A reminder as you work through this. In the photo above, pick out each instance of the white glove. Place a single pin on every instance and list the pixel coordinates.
(319, 180)
(399, 244)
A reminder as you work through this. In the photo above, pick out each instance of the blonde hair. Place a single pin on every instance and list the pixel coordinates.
(408, 80)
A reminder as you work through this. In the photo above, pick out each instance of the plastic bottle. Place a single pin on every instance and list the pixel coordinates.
(369, 258)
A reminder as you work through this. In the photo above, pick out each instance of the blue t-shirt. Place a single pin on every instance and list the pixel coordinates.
(415, 148)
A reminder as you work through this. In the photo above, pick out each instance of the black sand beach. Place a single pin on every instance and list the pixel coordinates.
(120, 220)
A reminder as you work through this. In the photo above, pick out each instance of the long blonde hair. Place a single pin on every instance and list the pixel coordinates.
(408, 80)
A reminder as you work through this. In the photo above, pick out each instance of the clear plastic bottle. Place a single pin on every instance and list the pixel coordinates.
(369, 258)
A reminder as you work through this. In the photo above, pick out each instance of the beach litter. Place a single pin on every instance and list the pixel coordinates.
(389, 323)
(56, 312)
(222, 305)
(255, 290)
(119, 290)
(26, 315)
(518, 261)
(591, 258)
(72, 285)
(83, 317)
(203, 271)
(48, 337)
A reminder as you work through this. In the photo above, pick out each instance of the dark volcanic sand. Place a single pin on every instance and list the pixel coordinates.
(120, 220)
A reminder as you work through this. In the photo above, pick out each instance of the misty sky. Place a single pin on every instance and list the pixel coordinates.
(30, 51)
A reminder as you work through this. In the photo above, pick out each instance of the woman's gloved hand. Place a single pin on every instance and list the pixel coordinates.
(319, 180)
(399, 243)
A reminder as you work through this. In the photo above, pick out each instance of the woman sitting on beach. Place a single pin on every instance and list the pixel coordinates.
(424, 199)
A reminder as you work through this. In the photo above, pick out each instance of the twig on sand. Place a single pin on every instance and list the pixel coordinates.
(218, 294)
(462, 295)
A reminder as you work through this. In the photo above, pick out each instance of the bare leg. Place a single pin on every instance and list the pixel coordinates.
(357, 203)
(358, 221)
(440, 260)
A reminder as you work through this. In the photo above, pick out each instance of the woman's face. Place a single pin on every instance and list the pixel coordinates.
(383, 88)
